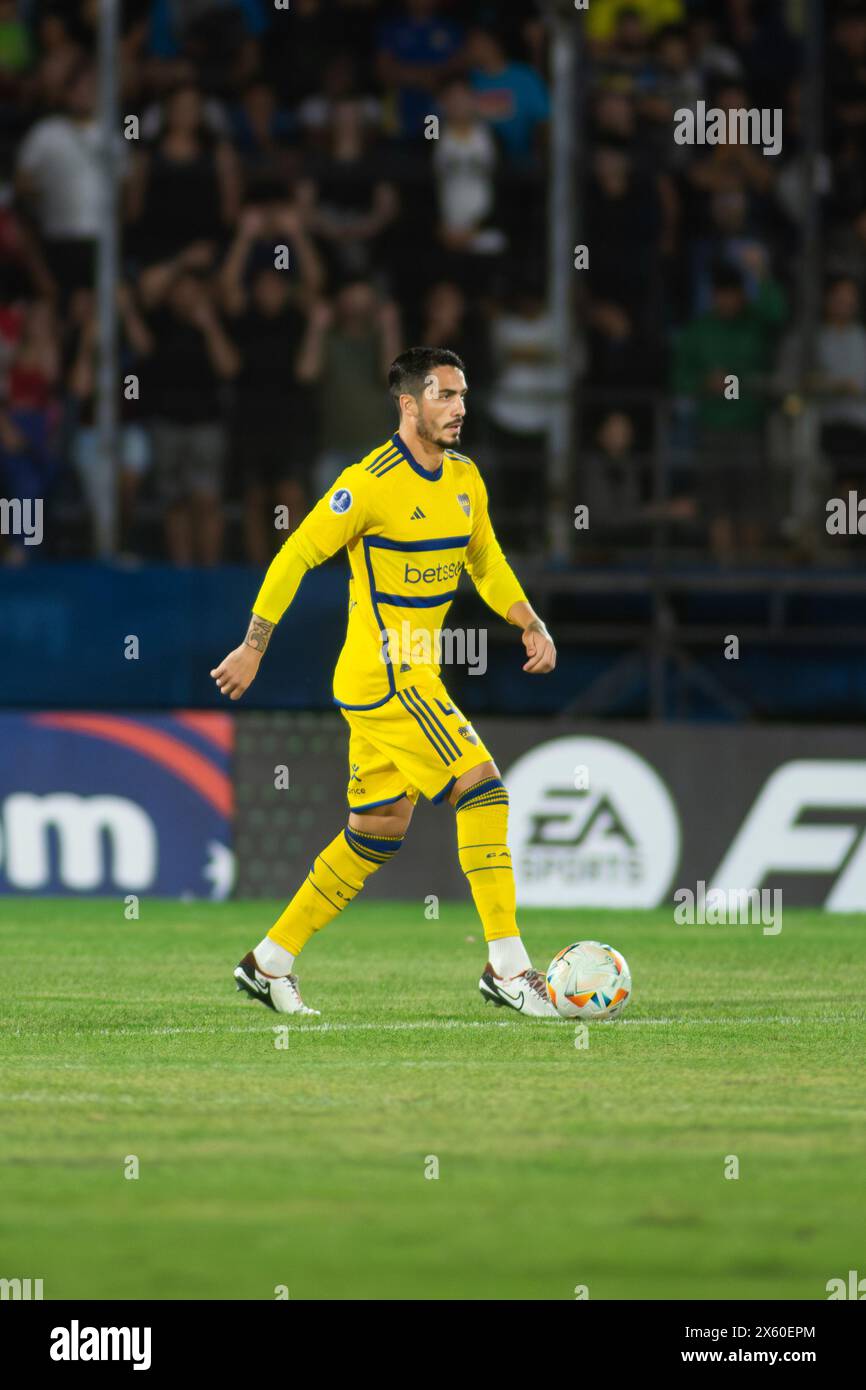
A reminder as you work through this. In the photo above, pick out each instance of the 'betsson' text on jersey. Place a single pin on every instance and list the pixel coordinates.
(433, 573)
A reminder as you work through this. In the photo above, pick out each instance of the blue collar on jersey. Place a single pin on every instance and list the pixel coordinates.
(424, 472)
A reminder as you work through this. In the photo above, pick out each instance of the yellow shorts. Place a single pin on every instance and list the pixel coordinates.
(418, 742)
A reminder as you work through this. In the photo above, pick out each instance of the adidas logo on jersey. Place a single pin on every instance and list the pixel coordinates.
(418, 515)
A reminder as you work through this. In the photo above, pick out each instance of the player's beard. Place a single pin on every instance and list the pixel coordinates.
(427, 433)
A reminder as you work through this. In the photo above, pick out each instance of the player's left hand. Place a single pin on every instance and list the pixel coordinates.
(237, 672)
(540, 650)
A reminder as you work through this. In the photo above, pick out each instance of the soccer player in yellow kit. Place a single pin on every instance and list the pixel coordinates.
(412, 515)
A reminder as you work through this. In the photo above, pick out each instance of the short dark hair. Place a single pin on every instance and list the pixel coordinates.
(408, 373)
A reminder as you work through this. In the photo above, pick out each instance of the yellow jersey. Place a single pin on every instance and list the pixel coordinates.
(410, 533)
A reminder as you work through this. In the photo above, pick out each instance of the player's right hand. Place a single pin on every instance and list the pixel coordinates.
(237, 671)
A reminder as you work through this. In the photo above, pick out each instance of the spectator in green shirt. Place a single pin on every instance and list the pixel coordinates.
(346, 354)
(16, 50)
(735, 339)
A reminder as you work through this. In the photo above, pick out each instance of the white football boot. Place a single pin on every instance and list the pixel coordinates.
(279, 992)
(526, 992)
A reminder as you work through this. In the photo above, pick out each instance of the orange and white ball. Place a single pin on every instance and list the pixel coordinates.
(589, 980)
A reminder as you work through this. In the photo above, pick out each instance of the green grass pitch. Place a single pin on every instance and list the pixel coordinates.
(304, 1166)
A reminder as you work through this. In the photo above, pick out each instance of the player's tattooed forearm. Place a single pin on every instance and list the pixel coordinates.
(259, 633)
(537, 626)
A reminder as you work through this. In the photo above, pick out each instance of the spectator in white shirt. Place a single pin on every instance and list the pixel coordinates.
(464, 164)
(58, 179)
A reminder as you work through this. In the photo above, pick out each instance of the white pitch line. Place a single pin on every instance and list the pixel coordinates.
(315, 1028)
(425, 1025)
(437, 1023)
(452, 1025)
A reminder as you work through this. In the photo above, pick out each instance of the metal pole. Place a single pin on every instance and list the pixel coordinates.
(566, 31)
(809, 279)
(107, 278)
(805, 450)
(660, 624)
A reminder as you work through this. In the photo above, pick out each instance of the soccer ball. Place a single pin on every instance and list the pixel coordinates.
(589, 980)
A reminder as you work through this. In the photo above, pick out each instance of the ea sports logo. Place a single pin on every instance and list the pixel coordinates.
(610, 840)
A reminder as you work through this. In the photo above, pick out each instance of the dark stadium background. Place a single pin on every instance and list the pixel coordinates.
(259, 127)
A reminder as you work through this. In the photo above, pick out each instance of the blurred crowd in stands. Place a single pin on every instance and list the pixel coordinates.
(288, 227)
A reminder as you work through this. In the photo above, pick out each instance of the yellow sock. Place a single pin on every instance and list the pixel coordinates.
(482, 847)
(336, 876)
